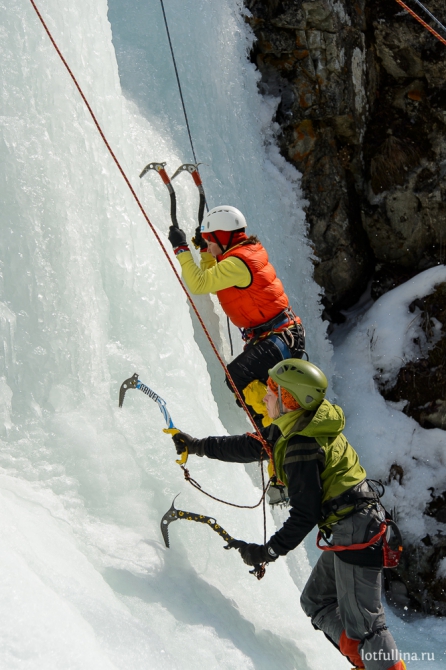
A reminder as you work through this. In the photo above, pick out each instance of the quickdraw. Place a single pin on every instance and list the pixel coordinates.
(134, 383)
(174, 514)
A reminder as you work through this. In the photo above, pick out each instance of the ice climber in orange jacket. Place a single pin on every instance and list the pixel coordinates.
(236, 269)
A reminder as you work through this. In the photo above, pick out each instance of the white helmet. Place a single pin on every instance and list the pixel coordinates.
(224, 217)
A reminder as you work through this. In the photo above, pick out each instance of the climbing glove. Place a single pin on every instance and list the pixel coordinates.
(177, 237)
(198, 240)
(254, 554)
(184, 441)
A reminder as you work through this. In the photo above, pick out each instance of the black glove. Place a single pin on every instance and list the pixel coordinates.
(184, 441)
(177, 237)
(198, 241)
(254, 554)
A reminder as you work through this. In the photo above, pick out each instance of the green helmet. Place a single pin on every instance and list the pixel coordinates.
(306, 383)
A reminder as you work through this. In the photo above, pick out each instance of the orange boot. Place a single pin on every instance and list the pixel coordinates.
(349, 648)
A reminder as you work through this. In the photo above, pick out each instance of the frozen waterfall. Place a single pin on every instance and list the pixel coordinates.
(86, 299)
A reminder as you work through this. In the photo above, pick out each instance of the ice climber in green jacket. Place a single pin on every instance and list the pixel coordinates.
(327, 487)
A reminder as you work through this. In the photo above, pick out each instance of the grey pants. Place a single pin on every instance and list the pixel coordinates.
(345, 600)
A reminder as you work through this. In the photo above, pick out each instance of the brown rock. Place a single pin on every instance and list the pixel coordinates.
(363, 116)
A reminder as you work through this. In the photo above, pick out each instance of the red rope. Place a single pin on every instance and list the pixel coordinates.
(118, 165)
(420, 20)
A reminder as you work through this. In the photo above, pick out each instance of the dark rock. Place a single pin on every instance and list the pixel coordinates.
(396, 472)
(437, 507)
(415, 584)
(362, 116)
(422, 383)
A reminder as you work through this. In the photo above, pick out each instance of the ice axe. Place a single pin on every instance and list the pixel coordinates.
(134, 383)
(192, 169)
(174, 514)
(159, 167)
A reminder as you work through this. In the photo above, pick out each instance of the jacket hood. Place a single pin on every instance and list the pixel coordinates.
(327, 421)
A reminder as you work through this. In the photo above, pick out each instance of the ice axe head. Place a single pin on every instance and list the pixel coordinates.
(186, 167)
(170, 515)
(128, 384)
(159, 167)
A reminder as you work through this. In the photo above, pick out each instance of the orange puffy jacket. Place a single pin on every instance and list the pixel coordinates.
(260, 301)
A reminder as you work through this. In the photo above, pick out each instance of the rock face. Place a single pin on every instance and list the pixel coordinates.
(422, 383)
(420, 581)
(362, 111)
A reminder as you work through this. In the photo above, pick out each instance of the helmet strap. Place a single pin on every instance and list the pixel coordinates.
(217, 241)
(231, 237)
(228, 246)
(279, 399)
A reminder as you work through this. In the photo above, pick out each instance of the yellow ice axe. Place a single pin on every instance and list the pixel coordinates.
(185, 454)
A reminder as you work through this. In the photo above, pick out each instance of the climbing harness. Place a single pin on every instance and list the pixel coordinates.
(355, 498)
(281, 323)
(351, 547)
(391, 557)
(360, 499)
(174, 514)
(423, 23)
(134, 383)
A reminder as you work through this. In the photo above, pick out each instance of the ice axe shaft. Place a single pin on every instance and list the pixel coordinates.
(192, 169)
(159, 167)
(174, 514)
(134, 383)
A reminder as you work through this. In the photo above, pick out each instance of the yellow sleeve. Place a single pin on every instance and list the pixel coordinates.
(207, 260)
(212, 276)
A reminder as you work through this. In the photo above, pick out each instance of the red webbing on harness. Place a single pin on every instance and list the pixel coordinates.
(352, 547)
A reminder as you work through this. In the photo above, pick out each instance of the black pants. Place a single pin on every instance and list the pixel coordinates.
(256, 359)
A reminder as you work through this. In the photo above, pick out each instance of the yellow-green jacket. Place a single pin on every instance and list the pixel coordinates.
(312, 457)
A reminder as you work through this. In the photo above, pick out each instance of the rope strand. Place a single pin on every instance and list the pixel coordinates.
(420, 20)
(431, 15)
(178, 81)
(152, 228)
